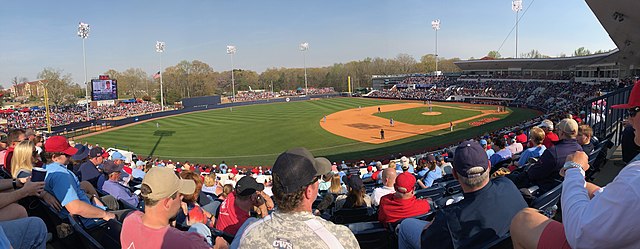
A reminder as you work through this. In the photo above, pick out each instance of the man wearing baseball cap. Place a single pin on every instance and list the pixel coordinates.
(482, 216)
(236, 208)
(550, 138)
(65, 186)
(162, 191)
(403, 203)
(88, 170)
(593, 217)
(295, 186)
(114, 188)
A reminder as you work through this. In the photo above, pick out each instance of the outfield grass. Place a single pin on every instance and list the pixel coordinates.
(414, 115)
(255, 135)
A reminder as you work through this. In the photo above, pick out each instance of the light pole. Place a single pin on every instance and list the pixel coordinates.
(231, 50)
(516, 6)
(435, 24)
(83, 32)
(304, 47)
(160, 49)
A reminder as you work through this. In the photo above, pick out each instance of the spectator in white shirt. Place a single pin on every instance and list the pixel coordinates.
(593, 217)
(388, 179)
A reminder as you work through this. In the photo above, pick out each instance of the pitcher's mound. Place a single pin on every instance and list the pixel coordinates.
(431, 113)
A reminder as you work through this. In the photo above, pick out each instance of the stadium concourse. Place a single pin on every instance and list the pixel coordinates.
(80, 196)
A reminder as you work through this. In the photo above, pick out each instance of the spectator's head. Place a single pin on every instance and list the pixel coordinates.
(389, 177)
(15, 136)
(633, 107)
(405, 163)
(483, 143)
(113, 170)
(30, 134)
(190, 175)
(97, 155)
(546, 125)
(431, 162)
(247, 190)
(567, 129)
(23, 157)
(471, 166)
(499, 143)
(378, 165)
(356, 192)
(162, 192)
(81, 155)
(226, 190)
(210, 179)
(118, 158)
(57, 149)
(336, 185)
(369, 169)
(404, 185)
(584, 134)
(295, 179)
(536, 135)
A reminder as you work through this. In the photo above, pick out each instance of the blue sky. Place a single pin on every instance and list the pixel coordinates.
(38, 34)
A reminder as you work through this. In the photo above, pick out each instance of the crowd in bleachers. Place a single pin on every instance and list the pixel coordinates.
(253, 95)
(501, 189)
(510, 76)
(63, 115)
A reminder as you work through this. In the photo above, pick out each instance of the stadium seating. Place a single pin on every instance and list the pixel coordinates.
(352, 215)
(372, 234)
(104, 236)
(433, 192)
(547, 202)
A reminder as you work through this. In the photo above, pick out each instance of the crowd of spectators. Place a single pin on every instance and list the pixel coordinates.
(255, 95)
(62, 115)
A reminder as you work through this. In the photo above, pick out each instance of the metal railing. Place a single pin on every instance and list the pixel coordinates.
(605, 121)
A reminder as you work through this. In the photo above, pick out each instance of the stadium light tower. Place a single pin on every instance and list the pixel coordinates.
(516, 6)
(83, 32)
(231, 50)
(304, 47)
(160, 49)
(435, 24)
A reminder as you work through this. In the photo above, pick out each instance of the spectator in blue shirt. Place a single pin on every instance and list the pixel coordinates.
(536, 136)
(434, 172)
(138, 172)
(114, 188)
(502, 154)
(64, 185)
(88, 170)
(485, 145)
(369, 172)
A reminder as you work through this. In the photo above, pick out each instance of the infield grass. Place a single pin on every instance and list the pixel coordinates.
(256, 134)
(415, 116)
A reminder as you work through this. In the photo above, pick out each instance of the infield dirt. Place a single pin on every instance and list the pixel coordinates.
(360, 124)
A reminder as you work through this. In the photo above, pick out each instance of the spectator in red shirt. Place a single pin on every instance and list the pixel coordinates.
(234, 211)
(377, 175)
(15, 137)
(403, 203)
(550, 138)
(521, 137)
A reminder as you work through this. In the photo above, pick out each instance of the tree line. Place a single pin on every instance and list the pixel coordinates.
(196, 78)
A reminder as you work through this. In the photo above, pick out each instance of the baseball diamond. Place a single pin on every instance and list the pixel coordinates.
(350, 132)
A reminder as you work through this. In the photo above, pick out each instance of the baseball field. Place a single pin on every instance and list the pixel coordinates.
(256, 134)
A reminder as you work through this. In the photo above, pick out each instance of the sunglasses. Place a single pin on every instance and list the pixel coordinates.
(633, 111)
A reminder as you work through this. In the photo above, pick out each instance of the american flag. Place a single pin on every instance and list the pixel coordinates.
(157, 75)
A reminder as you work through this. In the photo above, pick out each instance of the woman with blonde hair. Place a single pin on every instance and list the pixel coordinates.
(23, 159)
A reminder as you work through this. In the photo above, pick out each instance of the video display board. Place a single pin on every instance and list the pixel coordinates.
(104, 88)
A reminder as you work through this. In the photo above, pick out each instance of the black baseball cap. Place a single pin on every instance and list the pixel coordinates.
(469, 154)
(297, 167)
(247, 186)
(111, 167)
(355, 182)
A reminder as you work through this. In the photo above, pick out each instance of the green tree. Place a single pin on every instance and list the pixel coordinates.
(494, 54)
(581, 51)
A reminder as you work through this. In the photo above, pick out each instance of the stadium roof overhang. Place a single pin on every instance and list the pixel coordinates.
(562, 63)
(621, 20)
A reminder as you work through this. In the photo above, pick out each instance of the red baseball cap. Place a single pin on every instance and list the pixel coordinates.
(59, 144)
(634, 98)
(405, 182)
